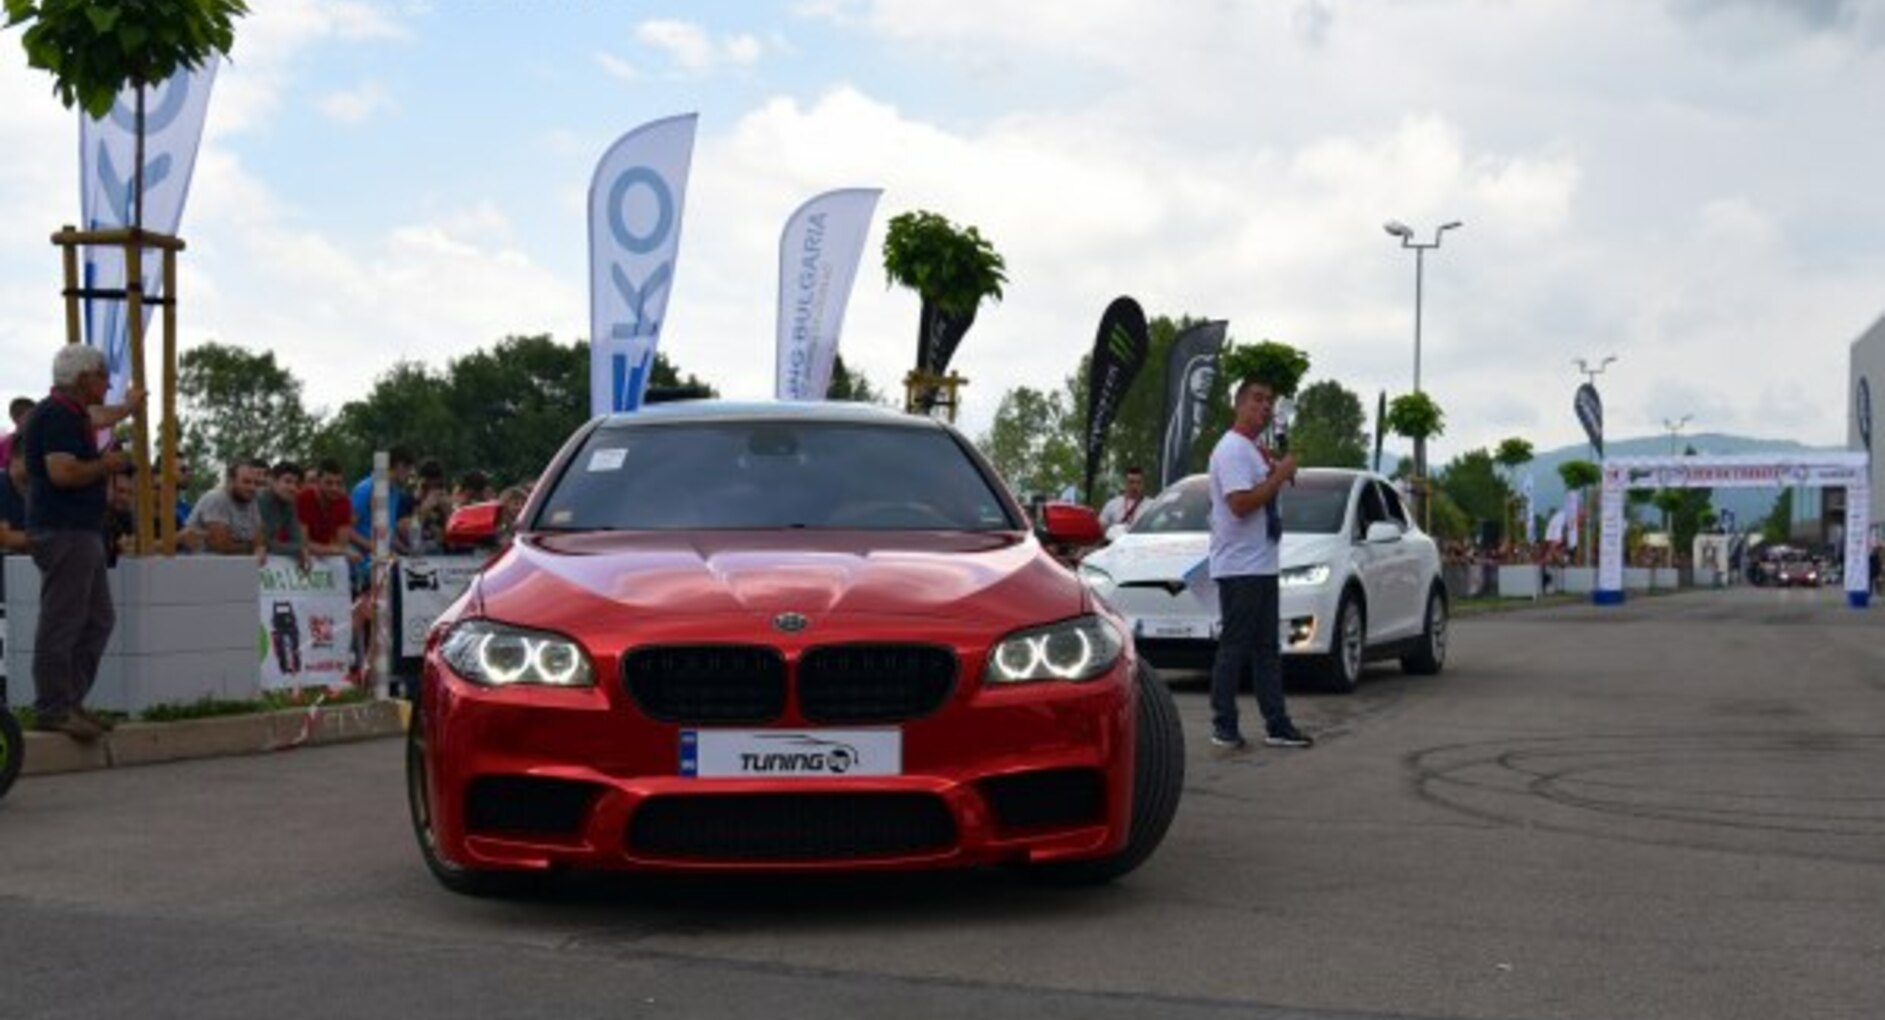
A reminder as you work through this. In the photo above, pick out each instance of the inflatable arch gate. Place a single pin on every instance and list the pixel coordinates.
(1849, 471)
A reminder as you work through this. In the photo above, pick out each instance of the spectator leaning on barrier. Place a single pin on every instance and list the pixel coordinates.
(66, 478)
(399, 504)
(473, 487)
(226, 516)
(281, 533)
(327, 513)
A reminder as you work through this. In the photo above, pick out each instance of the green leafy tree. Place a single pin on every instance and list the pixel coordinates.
(952, 270)
(238, 404)
(1328, 429)
(1472, 482)
(1778, 525)
(1415, 416)
(1513, 453)
(94, 49)
(851, 386)
(409, 406)
(1034, 444)
(1278, 364)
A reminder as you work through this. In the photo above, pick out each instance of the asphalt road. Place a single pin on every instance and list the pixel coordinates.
(1671, 809)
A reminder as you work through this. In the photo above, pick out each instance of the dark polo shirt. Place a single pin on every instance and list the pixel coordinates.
(60, 425)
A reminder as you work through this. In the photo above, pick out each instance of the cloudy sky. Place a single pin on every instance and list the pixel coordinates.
(1695, 186)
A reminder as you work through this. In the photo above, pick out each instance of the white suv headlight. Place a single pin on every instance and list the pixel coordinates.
(1304, 577)
(1078, 649)
(497, 655)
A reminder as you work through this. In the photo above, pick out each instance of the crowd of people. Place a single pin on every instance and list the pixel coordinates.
(69, 501)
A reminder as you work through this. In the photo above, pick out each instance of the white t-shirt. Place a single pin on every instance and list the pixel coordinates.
(1240, 546)
(1118, 511)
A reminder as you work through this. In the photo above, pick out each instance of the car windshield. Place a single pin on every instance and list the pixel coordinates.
(772, 474)
(1316, 504)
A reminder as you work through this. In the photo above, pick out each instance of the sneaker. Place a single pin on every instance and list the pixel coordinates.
(75, 726)
(1291, 737)
(1232, 742)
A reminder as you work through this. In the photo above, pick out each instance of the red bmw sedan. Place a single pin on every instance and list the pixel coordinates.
(782, 638)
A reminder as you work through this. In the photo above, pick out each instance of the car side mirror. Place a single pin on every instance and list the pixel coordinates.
(1382, 531)
(473, 525)
(1071, 524)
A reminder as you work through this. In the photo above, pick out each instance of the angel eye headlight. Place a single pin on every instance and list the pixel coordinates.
(1078, 649)
(497, 654)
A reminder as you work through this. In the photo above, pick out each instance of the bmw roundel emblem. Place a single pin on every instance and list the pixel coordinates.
(791, 623)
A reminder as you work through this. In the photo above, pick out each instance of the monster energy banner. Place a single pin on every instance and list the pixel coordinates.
(173, 125)
(1190, 384)
(307, 623)
(1118, 353)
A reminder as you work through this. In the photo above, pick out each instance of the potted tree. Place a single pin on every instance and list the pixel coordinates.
(1520, 575)
(953, 271)
(1580, 476)
(1415, 416)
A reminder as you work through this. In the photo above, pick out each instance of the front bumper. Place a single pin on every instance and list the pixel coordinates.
(539, 778)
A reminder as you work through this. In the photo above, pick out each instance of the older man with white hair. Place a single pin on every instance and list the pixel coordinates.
(66, 483)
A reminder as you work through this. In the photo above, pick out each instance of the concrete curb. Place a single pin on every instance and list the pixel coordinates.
(260, 733)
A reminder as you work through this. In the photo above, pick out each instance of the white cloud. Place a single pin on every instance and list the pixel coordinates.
(356, 105)
(616, 67)
(692, 50)
(270, 44)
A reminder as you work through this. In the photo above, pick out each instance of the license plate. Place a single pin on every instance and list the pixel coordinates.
(791, 754)
(1174, 628)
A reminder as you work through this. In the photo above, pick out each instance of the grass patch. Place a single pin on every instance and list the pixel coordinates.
(270, 701)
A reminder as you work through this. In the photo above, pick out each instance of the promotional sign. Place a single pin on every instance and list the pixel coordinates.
(635, 205)
(307, 623)
(173, 127)
(1190, 385)
(428, 585)
(1119, 351)
(1590, 413)
(818, 256)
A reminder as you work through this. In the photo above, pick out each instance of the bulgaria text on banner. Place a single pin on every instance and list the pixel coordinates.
(173, 127)
(819, 252)
(635, 204)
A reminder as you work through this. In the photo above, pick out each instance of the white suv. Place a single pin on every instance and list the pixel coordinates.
(1359, 579)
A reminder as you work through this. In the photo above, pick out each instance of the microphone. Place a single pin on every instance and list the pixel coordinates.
(1279, 426)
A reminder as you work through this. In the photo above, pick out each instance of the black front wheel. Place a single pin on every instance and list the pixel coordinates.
(12, 749)
(459, 879)
(1158, 781)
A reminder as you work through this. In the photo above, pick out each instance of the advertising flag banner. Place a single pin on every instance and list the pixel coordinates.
(818, 257)
(1190, 387)
(635, 204)
(1119, 351)
(307, 623)
(1590, 413)
(173, 127)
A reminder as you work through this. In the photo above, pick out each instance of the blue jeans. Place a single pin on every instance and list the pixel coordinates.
(1248, 644)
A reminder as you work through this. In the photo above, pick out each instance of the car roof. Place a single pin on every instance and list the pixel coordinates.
(824, 411)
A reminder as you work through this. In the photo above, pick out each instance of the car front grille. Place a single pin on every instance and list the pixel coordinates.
(840, 684)
(707, 684)
(786, 827)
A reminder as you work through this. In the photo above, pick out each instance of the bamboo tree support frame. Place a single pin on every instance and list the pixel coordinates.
(155, 522)
(920, 384)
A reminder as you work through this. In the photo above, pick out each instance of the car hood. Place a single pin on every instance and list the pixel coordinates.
(1170, 557)
(991, 576)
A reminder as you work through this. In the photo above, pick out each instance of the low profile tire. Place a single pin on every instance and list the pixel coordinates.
(12, 749)
(1340, 670)
(1430, 657)
(1158, 780)
(459, 879)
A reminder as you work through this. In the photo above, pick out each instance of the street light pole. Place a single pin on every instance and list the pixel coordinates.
(1674, 426)
(1583, 510)
(1401, 230)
